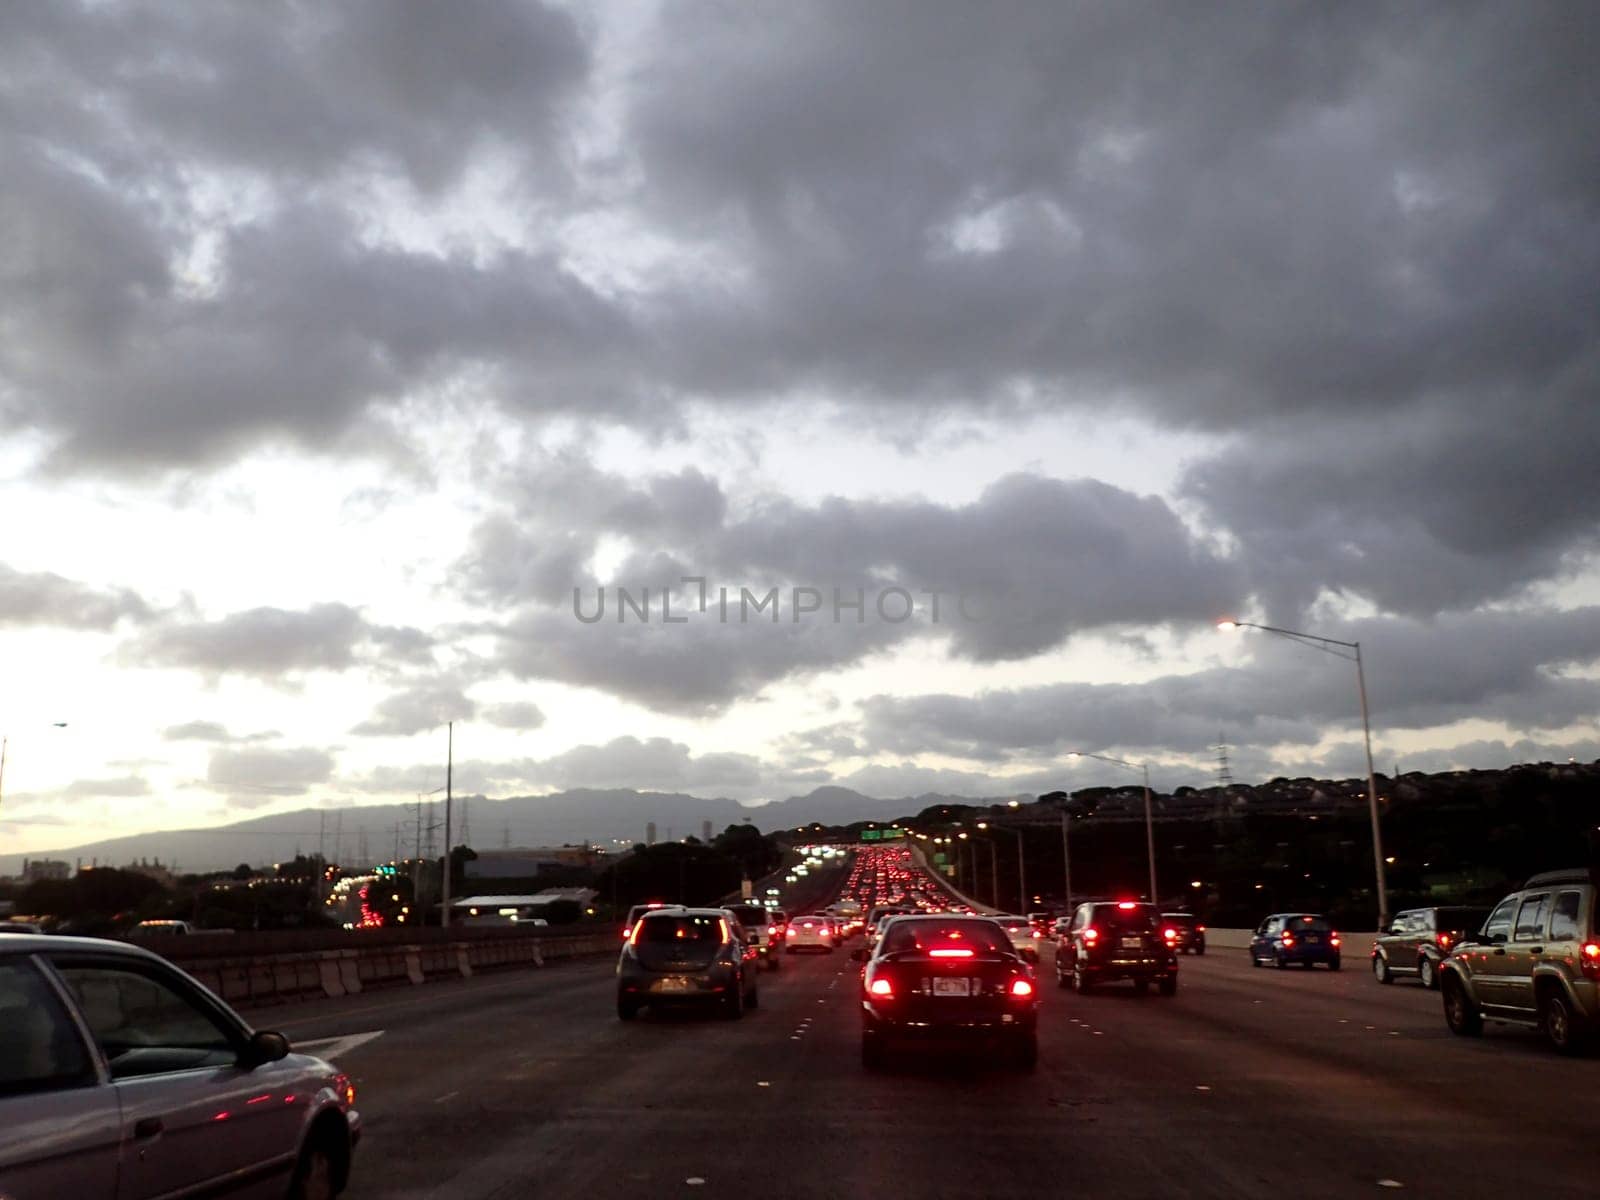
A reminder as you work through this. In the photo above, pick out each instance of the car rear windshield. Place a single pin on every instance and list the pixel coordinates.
(750, 914)
(981, 936)
(1140, 916)
(1308, 925)
(660, 929)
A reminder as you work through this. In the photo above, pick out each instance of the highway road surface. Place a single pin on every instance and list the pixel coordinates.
(1247, 1083)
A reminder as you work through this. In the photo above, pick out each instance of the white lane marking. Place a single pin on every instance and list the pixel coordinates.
(337, 1047)
(762, 1083)
(694, 1181)
(1390, 1183)
(446, 1096)
(1200, 1087)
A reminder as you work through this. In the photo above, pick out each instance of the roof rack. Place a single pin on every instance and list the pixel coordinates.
(1567, 875)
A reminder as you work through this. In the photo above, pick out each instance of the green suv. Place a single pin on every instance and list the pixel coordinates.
(1535, 962)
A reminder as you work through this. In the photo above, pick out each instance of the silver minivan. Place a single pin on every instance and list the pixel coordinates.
(122, 1077)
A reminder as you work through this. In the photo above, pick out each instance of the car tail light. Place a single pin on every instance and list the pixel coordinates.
(881, 988)
(1021, 987)
(627, 932)
(1091, 935)
(1334, 940)
(1199, 928)
(956, 952)
(1170, 934)
(633, 934)
(1038, 933)
(1287, 939)
(1589, 958)
(1443, 940)
(1125, 905)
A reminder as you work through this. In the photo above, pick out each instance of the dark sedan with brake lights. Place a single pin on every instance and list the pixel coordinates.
(688, 956)
(943, 983)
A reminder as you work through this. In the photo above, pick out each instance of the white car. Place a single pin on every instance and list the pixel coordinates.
(1024, 939)
(122, 1076)
(810, 932)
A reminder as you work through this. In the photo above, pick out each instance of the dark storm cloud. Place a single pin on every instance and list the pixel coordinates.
(43, 598)
(270, 643)
(1514, 667)
(1028, 564)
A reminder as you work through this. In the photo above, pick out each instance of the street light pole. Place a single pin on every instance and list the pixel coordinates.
(1022, 877)
(1149, 818)
(1327, 645)
(449, 767)
(1066, 854)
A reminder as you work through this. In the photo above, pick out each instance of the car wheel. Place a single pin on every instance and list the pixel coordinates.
(1080, 980)
(1380, 969)
(1141, 986)
(1168, 986)
(733, 1003)
(1460, 1014)
(1561, 1029)
(1026, 1054)
(316, 1175)
(1428, 973)
(1334, 963)
(873, 1055)
(1283, 963)
(627, 1010)
(1200, 950)
(1255, 959)
(1062, 979)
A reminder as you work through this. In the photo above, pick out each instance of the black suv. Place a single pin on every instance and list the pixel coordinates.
(1117, 940)
(1418, 939)
(1190, 932)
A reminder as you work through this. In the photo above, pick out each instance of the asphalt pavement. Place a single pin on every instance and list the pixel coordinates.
(1247, 1083)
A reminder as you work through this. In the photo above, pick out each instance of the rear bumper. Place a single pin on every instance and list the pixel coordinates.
(968, 1027)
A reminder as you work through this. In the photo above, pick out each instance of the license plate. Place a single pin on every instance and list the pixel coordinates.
(1312, 941)
(672, 985)
(1132, 943)
(952, 987)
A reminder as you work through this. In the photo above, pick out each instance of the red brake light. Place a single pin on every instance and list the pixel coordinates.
(1038, 933)
(881, 987)
(1170, 934)
(956, 952)
(1591, 951)
(1091, 935)
(1126, 904)
(1021, 987)
(1287, 939)
(1200, 928)
(627, 932)
(1334, 940)
(1444, 940)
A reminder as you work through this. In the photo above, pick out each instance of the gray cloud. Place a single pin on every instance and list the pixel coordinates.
(1506, 666)
(418, 708)
(211, 731)
(263, 771)
(124, 785)
(514, 715)
(42, 598)
(270, 643)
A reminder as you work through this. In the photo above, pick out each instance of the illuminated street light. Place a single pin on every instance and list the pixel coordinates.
(1338, 649)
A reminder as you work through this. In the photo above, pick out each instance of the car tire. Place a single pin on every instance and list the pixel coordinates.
(1562, 1028)
(1255, 959)
(1168, 986)
(1380, 969)
(627, 1010)
(1334, 964)
(1026, 1052)
(1460, 1014)
(1428, 973)
(1063, 980)
(1283, 963)
(1200, 950)
(733, 1002)
(316, 1174)
(1081, 982)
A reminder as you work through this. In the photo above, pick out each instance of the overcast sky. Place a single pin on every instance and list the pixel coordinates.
(348, 351)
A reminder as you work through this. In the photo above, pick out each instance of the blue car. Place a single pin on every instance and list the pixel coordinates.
(1304, 938)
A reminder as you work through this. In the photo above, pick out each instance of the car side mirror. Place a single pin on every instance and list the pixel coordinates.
(859, 954)
(264, 1047)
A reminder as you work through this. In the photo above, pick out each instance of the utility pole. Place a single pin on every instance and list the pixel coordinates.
(449, 768)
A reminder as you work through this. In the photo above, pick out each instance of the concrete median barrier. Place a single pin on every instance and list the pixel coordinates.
(246, 973)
